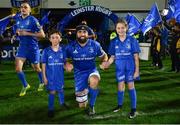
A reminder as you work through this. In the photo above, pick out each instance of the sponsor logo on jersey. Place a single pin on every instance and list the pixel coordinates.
(83, 55)
(75, 51)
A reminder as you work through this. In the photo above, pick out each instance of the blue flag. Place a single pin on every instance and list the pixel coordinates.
(177, 11)
(152, 19)
(174, 10)
(134, 24)
(16, 16)
(45, 19)
(170, 13)
(128, 16)
(172, 2)
(3, 23)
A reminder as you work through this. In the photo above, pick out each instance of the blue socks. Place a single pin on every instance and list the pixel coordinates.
(40, 77)
(51, 102)
(132, 94)
(93, 95)
(120, 98)
(22, 78)
(61, 97)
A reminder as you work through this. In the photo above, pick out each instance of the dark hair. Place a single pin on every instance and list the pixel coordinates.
(123, 21)
(55, 31)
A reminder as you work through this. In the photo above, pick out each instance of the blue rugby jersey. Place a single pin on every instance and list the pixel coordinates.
(124, 57)
(54, 65)
(31, 24)
(84, 57)
(124, 50)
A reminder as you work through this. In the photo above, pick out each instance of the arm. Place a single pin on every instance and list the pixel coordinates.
(104, 58)
(106, 64)
(39, 34)
(44, 73)
(68, 66)
(111, 60)
(136, 58)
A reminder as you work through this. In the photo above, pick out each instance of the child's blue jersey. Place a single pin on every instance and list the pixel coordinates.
(124, 50)
(30, 24)
(84, 57)
(54, 67)
(124, 57)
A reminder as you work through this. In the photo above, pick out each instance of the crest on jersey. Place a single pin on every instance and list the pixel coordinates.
(128, 46)
(116, 47)
(61, 56)
(91, 50)
(27, 22)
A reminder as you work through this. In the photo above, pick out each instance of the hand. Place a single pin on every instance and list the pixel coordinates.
(68, 67)
(13, 39)
(178, 51)
(12, 15)
(104, 65)
(136, 74)
(45, 81)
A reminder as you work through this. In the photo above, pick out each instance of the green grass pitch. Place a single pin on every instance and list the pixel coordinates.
(158, 99)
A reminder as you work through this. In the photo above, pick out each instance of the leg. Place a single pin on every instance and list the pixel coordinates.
(160, 65)
(51, 104)
(172, 61)
(133, 98)
(93, 91)
(82, 98)
(37, 68)
(121, 89)
(18, 66)
(176, 61)
(61, 97)
(34, 58)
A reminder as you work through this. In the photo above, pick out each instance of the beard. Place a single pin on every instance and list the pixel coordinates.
(80, 40)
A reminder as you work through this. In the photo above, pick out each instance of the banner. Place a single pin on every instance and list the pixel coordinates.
(98, 9)
(8, 52)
